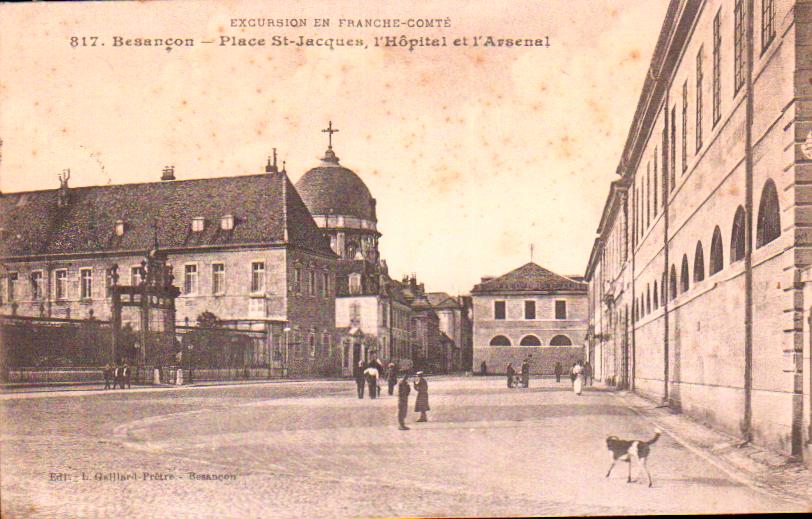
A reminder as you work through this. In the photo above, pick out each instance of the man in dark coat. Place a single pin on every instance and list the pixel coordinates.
(483, 368)
(118, 376)
(588, 373)
(360, 380)
(421, 404)
(392, 377)
(510, 374)
(558, 370)
(108, 374)
(526, 373)
(125, 376)
(403, 402)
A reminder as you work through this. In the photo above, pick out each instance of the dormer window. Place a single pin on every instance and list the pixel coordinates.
(227, 222)
(198, 223)
(119, 227)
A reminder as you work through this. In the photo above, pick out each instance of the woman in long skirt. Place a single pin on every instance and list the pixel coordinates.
(578, 383)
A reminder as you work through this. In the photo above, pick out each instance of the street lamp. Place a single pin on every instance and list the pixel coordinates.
(287, 342)
(190, 347)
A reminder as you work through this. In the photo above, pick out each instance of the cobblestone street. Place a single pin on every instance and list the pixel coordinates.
(312, 449)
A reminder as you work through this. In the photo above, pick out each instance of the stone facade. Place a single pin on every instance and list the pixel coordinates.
(698, 292)
(529, 313)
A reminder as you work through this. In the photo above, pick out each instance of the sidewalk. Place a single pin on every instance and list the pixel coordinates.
(750, 464)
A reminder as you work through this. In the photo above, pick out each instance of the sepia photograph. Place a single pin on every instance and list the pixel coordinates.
(419, 258)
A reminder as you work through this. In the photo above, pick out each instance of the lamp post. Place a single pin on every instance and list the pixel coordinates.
(287, 342)
(190, 347)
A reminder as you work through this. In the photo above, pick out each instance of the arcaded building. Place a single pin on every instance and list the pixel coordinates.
(529, 313)
(698, 277)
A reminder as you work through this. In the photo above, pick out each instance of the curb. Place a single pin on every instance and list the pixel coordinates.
(743, 473)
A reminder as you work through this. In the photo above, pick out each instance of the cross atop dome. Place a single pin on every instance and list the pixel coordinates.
(329, 155)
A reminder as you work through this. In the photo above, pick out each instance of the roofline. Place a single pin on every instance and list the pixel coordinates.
(168, 250)
(531, 292)
(597, 246)
(162, 182)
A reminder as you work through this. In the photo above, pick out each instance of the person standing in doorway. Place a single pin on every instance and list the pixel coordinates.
(421, 404)
(392, 377)
(358, 375)
(526, 373)
(558, 370)
(510, 374)
(403, 402)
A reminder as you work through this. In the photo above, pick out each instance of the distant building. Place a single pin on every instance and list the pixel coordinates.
(455, 324)
(244, 248)
(529, 312)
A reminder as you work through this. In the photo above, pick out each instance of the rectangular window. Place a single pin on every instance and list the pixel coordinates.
(672, 164)
(135, 276)
(656, 174)
(297, 280)
(560, 309)
(87, 283)
(717, 65)
(258, 276)
(739, 42)
(699, 79)
(684, 128)
(61, 288)
(218, 278)
(311, 283)
(648, 195)
(36, 285)
(190, 279)
(12, 285)
(325, 284)
(767, 23)
(529, 309)
(498, 309)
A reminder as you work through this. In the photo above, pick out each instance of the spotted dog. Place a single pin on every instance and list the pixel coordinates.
(627, 450)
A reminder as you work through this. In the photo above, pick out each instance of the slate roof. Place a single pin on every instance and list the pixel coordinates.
(529, 278)
(442, 300)
(264, 206)
(331, 189)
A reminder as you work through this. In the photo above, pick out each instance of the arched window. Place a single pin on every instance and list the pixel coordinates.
(560, 340)
(769, 215)
(664, 292)
(716, 255)
(672, 286)
(684, 283)
(737, 236)
(530, 340)
(699, 263)
(648, 299)
(500, 340)
(655, 298)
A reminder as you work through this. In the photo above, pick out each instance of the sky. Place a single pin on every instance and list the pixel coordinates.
(472, 153)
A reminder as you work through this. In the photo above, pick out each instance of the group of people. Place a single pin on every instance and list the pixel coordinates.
(368, 375)
(119, 375)
(524, 381)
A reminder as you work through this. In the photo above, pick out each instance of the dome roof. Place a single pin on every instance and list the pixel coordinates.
(331, 189)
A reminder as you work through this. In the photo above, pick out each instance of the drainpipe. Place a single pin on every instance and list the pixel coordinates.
(747, 423)
(666, 288)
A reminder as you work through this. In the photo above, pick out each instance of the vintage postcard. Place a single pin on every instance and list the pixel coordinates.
(449, 258)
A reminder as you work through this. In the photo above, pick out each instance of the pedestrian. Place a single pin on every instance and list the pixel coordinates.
(588, 373)
(403, 402)
(118, 376)
(392, 378)
(526, 373)
(125, 373)
(510, 374)
(578, 383)
(558, 370)
(360, 380)
(371, 374)
(572, 372)
(421, 404)
(108, 374)
(483, 368)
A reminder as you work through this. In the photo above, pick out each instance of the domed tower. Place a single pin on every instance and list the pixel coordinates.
(342, 206)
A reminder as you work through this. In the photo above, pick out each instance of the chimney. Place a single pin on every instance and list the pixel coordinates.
(271, 167)
(62, 197)
(168, 173)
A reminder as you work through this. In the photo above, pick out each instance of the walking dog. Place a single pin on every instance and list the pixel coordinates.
(626, 450)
